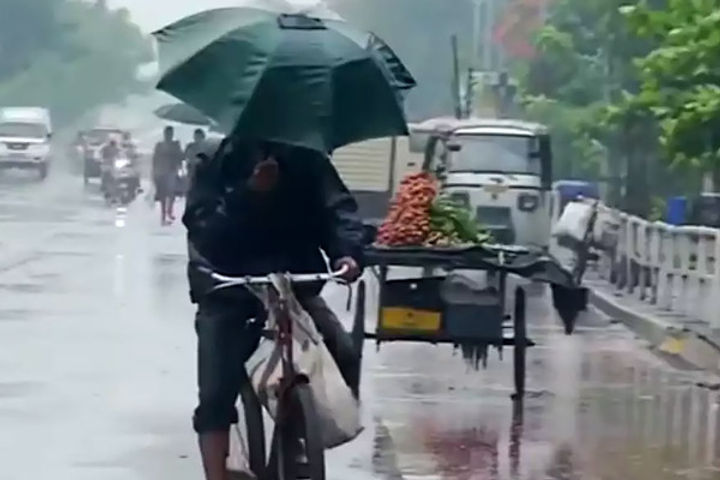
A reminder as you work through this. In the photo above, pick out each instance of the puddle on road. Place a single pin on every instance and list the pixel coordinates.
(18, 389)
(22, 288)
(605, 418)
(15, 315)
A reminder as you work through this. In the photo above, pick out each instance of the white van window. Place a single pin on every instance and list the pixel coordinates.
(21, 129)
(497, 153)
(99, 136)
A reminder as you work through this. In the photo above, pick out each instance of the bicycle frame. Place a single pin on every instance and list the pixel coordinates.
(284, 323)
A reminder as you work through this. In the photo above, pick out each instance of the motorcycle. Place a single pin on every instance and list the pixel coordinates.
(122, 184)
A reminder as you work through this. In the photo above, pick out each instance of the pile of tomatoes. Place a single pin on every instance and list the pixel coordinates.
(408, 221)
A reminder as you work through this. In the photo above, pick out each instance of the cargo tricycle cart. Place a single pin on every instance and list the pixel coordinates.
(459, 297)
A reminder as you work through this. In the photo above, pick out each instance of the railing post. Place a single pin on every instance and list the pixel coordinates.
(684, 249)
(630, 255)
(655, 261)
(714, 318)
(704, 279)
(666, 266)
(620, 266)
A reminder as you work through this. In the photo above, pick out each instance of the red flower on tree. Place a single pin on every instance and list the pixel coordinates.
(521, 21)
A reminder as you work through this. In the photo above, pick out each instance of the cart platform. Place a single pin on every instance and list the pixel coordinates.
(534, 264)
(414, 310)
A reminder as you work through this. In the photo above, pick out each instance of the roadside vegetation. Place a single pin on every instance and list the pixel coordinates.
(68, 55)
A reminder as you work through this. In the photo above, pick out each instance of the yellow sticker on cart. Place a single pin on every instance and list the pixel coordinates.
(410, 319)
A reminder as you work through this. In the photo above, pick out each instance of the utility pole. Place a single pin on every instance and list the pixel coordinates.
(488, 26)
(477, 18)
(456, 77)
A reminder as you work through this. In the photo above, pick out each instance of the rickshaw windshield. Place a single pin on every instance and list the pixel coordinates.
(498, 154)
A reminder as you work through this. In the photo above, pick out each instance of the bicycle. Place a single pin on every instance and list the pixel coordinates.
(297, 428)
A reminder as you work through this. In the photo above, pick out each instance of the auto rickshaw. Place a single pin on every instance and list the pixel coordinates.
(501, 169)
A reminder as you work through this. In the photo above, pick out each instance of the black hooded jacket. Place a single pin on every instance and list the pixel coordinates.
(234, 231)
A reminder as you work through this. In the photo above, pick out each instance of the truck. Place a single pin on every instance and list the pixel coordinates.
(25, 139)
(372, 171)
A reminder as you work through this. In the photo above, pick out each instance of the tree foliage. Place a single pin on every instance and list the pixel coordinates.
(69, 55)
(26, 28)
(680, 79)
(586, 69)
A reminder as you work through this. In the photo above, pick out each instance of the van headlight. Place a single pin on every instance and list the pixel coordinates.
(121, 163)
(528, 202)
(462, 199)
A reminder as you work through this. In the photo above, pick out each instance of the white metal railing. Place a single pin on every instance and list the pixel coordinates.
(675, 268)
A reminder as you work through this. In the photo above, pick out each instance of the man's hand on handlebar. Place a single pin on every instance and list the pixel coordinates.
(351, 270)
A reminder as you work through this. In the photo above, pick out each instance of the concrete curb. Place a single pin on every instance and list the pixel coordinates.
(672, 339)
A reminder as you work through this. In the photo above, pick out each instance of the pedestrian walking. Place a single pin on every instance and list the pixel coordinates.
(167, 160)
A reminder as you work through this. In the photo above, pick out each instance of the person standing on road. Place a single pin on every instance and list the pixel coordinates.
(108, 154)
(253, 210)
(167, 160)
(130, 148)
(193, 150)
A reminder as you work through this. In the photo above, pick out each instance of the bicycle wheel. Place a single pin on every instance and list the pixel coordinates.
(519, 354)
(298, 450)
(254, 424)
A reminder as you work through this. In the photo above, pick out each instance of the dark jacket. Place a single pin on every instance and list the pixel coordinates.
(237, 232)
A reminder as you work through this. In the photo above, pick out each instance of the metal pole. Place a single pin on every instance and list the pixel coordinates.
(488, 21)
(476, 31)
(456, 76)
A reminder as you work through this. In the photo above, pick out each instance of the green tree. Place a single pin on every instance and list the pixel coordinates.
(680, 81)
(26, 28)
(91, 60)
(584, 66)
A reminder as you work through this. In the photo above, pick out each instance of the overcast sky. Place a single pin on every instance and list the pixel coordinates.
(153, 14)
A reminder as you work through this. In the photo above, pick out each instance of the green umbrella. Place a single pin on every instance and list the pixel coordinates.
(289, 78)
(183, 113)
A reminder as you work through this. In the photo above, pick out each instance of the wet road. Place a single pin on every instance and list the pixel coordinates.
(97, 373)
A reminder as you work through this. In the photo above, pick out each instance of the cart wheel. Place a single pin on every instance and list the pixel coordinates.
(358, 332)
(520, 341)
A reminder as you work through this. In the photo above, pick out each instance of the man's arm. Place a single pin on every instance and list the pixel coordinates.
(213, 210)
(344, 233)
(155, 158)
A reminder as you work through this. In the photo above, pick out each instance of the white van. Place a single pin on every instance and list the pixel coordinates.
(25, 134)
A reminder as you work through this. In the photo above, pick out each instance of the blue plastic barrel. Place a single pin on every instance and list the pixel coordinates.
(676, 211)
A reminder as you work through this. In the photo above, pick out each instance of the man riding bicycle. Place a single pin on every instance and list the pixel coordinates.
(254, 209)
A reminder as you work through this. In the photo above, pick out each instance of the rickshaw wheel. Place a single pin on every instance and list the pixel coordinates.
(520, 340)
(358, 330)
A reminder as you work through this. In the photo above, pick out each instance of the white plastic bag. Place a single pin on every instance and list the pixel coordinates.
(574, 221)
(237, 462)
(337, 409)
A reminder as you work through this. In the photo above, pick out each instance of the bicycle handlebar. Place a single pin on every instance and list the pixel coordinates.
(228, 281)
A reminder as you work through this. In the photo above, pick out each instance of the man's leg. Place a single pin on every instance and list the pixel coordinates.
(163, 210)
(337, 339)
(224, 343)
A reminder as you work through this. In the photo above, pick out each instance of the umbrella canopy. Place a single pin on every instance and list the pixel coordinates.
(291, 78)
(183, 113)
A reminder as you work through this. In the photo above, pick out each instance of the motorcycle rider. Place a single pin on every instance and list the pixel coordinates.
(130, 148)
(108, 154)
(253, 209)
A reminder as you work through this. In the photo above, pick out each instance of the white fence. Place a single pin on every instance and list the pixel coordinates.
(674, 268)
